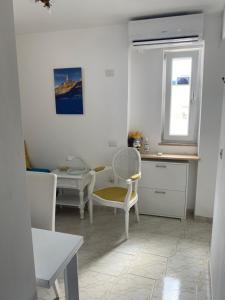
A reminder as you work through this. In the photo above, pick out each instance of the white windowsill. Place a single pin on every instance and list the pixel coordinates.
(178, 144)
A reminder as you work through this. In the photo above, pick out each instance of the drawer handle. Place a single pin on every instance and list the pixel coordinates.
(161, 166)
(160, 192)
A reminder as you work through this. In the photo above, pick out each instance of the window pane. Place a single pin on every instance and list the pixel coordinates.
(180, 96)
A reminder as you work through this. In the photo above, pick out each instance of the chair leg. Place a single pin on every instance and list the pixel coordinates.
(56, 289)
(137, 212)
(127, 224)
(90, 205)
(115, 211)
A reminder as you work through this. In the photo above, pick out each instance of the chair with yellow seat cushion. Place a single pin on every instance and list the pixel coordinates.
(117, 194)
(126, 168)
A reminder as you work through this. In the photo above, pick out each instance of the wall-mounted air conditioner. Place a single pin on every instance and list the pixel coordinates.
(166, 30)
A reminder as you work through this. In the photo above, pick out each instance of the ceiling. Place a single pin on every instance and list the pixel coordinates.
(69, 14)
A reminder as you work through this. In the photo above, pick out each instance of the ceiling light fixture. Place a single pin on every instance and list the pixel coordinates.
(46, 3)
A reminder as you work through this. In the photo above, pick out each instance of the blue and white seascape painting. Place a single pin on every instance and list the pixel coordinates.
(68, 91)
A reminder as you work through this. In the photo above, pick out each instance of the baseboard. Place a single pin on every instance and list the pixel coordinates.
(210, 281)
(203, 219)
(190, 213)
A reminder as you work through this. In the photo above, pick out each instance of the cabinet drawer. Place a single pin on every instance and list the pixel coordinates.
(162, 202)
(164, 175)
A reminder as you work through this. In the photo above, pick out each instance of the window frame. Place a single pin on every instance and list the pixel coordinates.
(195, 95)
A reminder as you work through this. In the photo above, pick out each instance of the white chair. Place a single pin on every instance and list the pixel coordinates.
(41, 197)
(126, 168)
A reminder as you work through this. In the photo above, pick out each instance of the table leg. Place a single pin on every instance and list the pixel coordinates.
(56, 289)
(81, 194)
(71, 280)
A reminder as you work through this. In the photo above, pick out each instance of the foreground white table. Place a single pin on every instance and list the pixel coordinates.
(55, 253)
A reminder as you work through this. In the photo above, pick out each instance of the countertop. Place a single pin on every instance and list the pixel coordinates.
(173, 157)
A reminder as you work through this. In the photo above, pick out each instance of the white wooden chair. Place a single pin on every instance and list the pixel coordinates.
(123, 194)
(41, 197)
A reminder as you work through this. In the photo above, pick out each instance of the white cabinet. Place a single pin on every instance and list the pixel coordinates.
(163, 189)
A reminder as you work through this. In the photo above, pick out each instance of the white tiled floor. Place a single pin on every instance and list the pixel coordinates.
(164, 259)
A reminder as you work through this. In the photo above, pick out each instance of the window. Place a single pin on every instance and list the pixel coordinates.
(181, 96)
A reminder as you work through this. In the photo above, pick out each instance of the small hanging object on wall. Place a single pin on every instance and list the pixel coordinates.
(223, 78)
(46, 3)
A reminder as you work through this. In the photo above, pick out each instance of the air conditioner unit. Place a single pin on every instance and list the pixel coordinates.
(166, 30)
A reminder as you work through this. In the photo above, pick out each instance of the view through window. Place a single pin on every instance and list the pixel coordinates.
(181, 95)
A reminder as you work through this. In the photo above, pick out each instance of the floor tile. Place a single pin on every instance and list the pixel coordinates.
(131, 246)
(148, 265)
(161, 245)
(172, 288)
(131, 287)
(95, 286)
(163, 259)
(114, 263)
(196, 248)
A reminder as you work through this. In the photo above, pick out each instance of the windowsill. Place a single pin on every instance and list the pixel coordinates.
(178, 144)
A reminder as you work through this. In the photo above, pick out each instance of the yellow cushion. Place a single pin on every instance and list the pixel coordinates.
(135, 176)
(27, 158)
(100, 168)
(116, 194)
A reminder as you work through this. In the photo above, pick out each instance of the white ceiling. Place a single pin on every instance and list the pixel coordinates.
(69, 14)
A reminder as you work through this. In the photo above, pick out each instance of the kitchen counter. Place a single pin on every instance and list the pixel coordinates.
(170, 157)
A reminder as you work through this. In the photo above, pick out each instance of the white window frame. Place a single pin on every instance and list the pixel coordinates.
(195, 95)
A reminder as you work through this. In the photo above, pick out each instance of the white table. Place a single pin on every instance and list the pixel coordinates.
(55, 253)
(75, 182)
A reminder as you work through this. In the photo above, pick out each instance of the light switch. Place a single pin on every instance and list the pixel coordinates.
(109, 73)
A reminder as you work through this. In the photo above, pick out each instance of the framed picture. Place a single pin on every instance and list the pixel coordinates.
(68, 91)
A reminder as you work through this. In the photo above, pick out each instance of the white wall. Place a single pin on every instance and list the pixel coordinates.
(217, 259)
(214, 69)
(52, 137)
(17, 278)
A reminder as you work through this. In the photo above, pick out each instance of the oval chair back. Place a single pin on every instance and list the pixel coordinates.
(126, 163)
